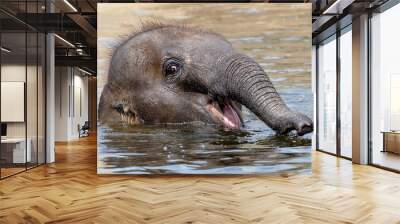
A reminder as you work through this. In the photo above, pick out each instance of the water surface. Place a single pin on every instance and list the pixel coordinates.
(198, 148)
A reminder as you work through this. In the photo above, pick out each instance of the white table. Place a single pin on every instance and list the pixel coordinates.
(18, 151)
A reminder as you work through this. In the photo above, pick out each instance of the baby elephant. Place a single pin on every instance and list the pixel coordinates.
(175, 74)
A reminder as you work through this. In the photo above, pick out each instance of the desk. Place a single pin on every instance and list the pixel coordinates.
(15, 148)
(391, 141)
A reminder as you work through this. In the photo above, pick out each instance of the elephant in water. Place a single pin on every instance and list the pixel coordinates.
(176, 74)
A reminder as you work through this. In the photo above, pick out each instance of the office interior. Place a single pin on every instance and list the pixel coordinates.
(48, 104)
(356, 87)
(48, 79)
(44, 96)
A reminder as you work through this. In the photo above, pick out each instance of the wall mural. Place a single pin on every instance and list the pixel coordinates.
(204, 88)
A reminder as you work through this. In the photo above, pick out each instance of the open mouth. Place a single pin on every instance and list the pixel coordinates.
(225, 112)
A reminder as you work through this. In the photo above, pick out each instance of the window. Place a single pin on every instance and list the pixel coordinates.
(346, 92)
(327, 95)
(385, 89)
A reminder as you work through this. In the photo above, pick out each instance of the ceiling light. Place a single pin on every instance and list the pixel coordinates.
(331, 7)
(65, 41)
(84, 71)
(337, 7)
(79, 51)
(5, 50)
(70, 5)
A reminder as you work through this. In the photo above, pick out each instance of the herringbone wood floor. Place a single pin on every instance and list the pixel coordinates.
(70, 191)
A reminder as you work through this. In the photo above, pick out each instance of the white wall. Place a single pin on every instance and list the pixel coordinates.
(33, 126)
(62, 81)
(71, 102)
(80, 104)
(12, 73)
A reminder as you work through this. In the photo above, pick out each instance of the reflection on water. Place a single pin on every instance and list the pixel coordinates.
(202, 149)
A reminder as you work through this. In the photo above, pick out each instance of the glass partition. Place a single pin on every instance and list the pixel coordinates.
(346, 92)
(31, 97)
(22, 77)
(327, 95)
(385, 89)
(13, 94)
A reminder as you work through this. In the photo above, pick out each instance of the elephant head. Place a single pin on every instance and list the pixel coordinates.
(174, 74)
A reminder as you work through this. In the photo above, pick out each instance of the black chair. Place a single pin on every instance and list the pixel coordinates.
(84, 130)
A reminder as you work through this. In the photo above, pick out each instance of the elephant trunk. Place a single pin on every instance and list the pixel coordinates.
(244, 81)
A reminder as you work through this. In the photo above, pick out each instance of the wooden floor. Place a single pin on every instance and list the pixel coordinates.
(10, 171)
(387, 159)
(70, 191)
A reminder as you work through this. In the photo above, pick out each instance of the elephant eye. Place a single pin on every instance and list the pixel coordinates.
(172, 67)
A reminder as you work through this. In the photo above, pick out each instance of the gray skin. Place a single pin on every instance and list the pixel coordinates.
(173, 74)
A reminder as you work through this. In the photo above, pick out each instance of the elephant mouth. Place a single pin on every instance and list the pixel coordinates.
(224, 112)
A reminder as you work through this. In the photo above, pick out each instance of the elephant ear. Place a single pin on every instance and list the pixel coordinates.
(115, 108)
(104, 110)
